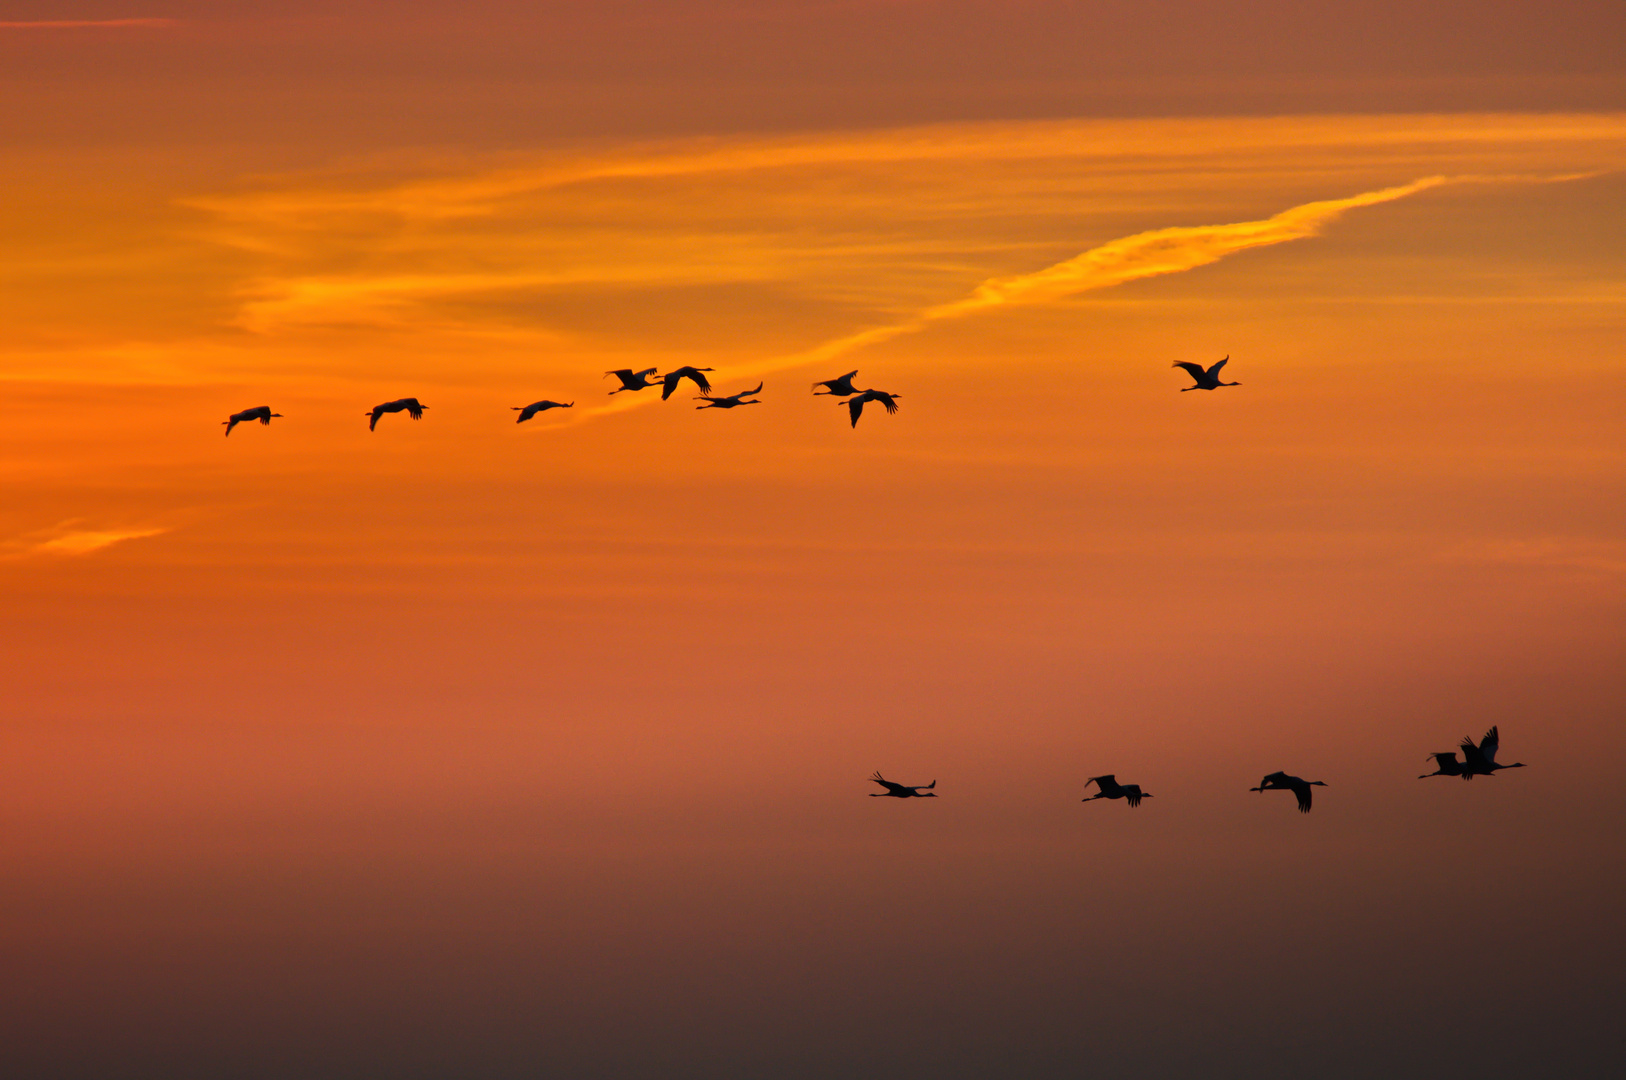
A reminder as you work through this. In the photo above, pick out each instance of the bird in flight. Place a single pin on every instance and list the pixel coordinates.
(1280, 781)
(538, 406)
(1206, 380)
(1111, 789)
(840, 387)
(670, 380)
(1481, 760)
(408, 405)
(855, 405)
(902, 791)
(262, 413)
(730, 401)
(1446, 764)
(632, 380)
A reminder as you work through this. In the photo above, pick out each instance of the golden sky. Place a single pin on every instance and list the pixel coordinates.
(466, 747)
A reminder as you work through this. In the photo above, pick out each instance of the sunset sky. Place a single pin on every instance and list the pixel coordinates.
(476, 749)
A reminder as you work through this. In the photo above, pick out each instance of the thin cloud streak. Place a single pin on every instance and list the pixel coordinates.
(1140, 143)
(64, 539)
(1142, 255)
(435, 240)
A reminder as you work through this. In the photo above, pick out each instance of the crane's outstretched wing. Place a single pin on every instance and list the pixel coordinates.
(1132, 794)
(1302, 791)
(855, 408)
(886, 400)
(838, 382)
(1489, 745)
(1194, 370)
(1215, 370)
(892, 789)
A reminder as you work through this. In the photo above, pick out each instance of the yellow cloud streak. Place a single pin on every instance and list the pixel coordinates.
(64, 540)
(1142, 255)
(1142, 143)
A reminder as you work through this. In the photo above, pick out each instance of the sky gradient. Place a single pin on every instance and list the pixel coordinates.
(471, 748)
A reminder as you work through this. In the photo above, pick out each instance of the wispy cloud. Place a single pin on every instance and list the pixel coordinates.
(1130, 258)
(70, 538)
(1153, 151)
(1598, 557)
(661, 253)
(84, 24)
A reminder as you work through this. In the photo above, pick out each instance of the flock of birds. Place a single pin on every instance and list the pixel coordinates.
(1478, 759)
(839, 387)
(649, 378)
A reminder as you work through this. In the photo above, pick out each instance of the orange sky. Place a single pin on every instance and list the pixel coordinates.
(471, 748)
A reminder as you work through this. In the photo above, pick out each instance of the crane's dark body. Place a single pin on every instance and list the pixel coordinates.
(1481, 760)
(1111, 789)
(408, 405)
(1280, 781)
(262, 413)
(1478, 759)
(670, 380)
(1206, 379)
(632, 380)
(902, 791)
(855, 405)
(1446, 764)
(535, 407)
(838, 387)
(729, 402)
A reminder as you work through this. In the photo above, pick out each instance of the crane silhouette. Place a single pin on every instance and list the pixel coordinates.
(1446, 764)
(838, 387)
(902, 791)
(262, 413)
(538, 406)
(730, 401)
(632, 380)
(408, 405)
(1111, 789)
(855, 405)
(1481, 760)
(670, 380)
(1206, 380)
(1280, 781)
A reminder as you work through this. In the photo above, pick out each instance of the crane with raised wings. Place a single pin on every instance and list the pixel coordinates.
(902, 791)
(1206, 379)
